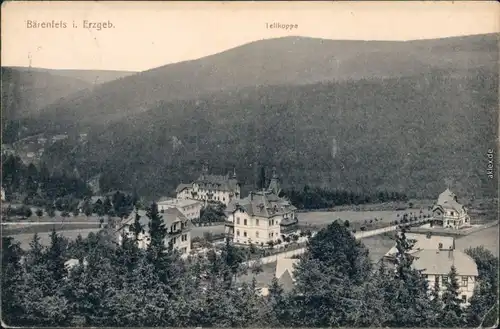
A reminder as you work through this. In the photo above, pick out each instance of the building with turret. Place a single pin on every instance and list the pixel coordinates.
(211, 188)
(261, 217)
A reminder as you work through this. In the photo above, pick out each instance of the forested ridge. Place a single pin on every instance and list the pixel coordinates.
(411, 135)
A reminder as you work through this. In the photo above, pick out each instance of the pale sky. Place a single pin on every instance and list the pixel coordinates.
(151, 34)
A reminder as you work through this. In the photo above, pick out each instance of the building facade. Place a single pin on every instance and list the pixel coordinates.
(178, 227)
(435, 265)
(448, 213)
(189, 208)
(211, 188)
(261, 217)
(434, 255)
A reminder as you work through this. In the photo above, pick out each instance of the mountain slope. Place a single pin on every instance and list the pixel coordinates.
(409, 134)
(25, 92)
(88, 76)
(290, 60)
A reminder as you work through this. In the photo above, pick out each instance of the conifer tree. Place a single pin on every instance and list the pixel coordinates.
(436, 305)
(12, 278)
(157, 229)
(107, 206)
(137, 228)
(410, 302)
(276, 305)
(452, 311)
(36, 251)
(55, 256)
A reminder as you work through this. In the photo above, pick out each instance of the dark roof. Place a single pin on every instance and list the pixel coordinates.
(218, 182)
(262, 204)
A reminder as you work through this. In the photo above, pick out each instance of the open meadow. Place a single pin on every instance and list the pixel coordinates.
(26, 234)
(323, 218)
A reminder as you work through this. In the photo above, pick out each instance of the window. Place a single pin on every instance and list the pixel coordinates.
(452, 213)
(440, 246)
(257, 234)
(465, 281)
(272, 234)
(184, 250)
(436, 279)
(237, 220)
(223, 199)
(238, 232)
(244, 222)
(464, 298)
(184, 237)
(245, 234)
(257, 222)
(445, 278)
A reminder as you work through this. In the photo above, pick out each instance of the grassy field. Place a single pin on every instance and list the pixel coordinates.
(45, 237)
(326, 217)
(25, 234)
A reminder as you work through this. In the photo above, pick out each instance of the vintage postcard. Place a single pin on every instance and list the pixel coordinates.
(250, 164)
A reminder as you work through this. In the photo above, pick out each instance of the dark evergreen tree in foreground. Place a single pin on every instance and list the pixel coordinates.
(122, 285)
(484, 302)
(137, 228)
(452, 311)
(409, 301)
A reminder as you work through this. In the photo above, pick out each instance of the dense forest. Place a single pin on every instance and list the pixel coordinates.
(413, 134)
(122, 285)
(66, 192)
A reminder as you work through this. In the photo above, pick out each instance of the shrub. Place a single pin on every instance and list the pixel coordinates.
(346, 223)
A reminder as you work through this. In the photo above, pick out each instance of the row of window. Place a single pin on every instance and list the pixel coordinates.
(256, 234)
(204, 197)
(444, 278)
(183, 239)
(272, 222)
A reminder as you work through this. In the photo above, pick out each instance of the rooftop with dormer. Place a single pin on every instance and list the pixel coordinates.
(226, 183)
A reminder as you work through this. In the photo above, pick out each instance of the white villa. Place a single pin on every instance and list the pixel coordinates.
(434, 256)
(189, 208)
(436, 265)
(211, 188)
(448, 213)
(261, 217)
(178, 226)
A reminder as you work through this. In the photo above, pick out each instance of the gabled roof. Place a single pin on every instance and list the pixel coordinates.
(448, 200)
(169, 216)
(440, 262)
(425, 242)
(182, 187)
(285, 264)
(286, 281)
